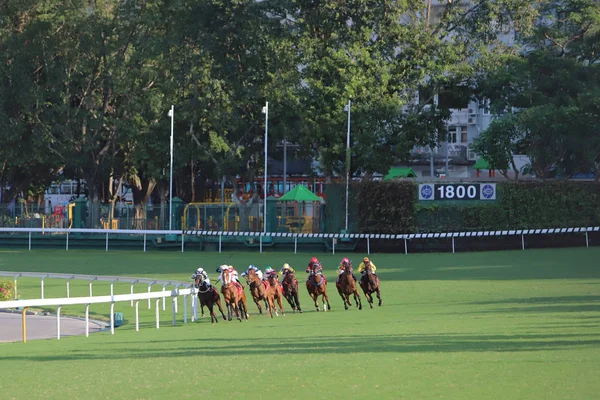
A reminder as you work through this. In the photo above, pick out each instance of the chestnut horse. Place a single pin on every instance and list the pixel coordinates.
(347, 287)
(208, 296)
(275, 292)
(259, 291)
(316, 284)
(290, 290)
(234, 296)
(370, 284)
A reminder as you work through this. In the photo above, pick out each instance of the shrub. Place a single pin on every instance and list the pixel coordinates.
(7, 290)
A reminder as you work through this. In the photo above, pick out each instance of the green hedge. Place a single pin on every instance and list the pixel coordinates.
(392, 207)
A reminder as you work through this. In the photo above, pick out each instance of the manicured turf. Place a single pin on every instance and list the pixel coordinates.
(502, 325)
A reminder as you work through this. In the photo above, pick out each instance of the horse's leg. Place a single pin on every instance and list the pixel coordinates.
(257, 301)
(357, 298)
(326, 299)
(342, 296)
(295, 294)
(379, 296)
(245, 305)
(315, 299)
(271, 304)
(280, 303)
(211, 311)
(221, 309)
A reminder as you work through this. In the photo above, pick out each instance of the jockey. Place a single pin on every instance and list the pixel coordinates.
(342, 267)
(232, 271)
(259, 273)
(362, 268)
(313, 264)
(200, 272)
(269, 272)
(285, 269)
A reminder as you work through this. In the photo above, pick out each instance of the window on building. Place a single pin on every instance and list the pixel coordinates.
(452, 130)
(463, 135)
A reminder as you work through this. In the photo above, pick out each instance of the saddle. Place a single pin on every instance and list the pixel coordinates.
(267, 285)
(239, 287)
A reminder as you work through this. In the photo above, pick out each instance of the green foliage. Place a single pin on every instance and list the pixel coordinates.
(387, 207)
(552, 88)
(7, 290)
(393, 208)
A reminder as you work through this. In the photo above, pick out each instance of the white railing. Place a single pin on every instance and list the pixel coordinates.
(112, 298)
(334, 237)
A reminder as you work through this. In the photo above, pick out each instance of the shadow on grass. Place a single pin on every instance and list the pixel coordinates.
(330, 345)
(558, 304)
(537, 300)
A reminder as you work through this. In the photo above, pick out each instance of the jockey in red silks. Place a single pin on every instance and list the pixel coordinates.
(314, 267)
(342, 267)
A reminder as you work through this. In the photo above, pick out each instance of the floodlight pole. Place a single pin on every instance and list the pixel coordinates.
(266, 112)
(347, 163)
(172, 115)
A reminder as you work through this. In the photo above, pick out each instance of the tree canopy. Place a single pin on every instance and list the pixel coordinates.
(86, 86)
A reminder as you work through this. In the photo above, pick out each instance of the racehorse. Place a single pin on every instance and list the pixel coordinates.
(259, 291)
(234, 296)
(275, 292)
(347, 286)
(370, 284)
(316, 284)
(208, 297)
(290, 290)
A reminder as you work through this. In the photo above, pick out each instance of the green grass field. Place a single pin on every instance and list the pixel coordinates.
(494, 325)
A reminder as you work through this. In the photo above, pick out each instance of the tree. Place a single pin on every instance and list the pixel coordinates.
(498, 143)
(552, 88)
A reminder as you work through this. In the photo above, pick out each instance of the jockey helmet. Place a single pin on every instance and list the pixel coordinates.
(345, 261)
(268, 269)
(314, 260)
(200, 270)
(366, 260)
(286, 266)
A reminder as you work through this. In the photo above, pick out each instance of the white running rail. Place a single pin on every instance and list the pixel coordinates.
(334, 237)
(112, 298)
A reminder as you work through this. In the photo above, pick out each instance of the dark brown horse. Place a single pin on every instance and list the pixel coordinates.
(208, 296)
(259, 291)
(347, 286)
(370, 284)
(275, 291)
(316, 284)
(290, 290)
(234, 296)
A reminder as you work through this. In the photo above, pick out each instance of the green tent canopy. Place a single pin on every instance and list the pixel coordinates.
(300, 193)
(481, 164)
(400, 172)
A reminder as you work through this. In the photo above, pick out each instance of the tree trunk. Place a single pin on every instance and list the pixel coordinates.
(193, 181)
(141, 191)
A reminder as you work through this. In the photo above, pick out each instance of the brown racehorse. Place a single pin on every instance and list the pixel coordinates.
(316, 284)
(259, 291)
(275, 291)
(208, 297)
(370, 284)
(290, 290)
(234, 296)
(347, 287)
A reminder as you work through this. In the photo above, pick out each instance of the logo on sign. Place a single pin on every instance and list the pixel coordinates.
(426, 192)
(487, 191)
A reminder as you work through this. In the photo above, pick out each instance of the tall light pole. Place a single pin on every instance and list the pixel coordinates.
(265, 111)
(347, 108)
(172, 115)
